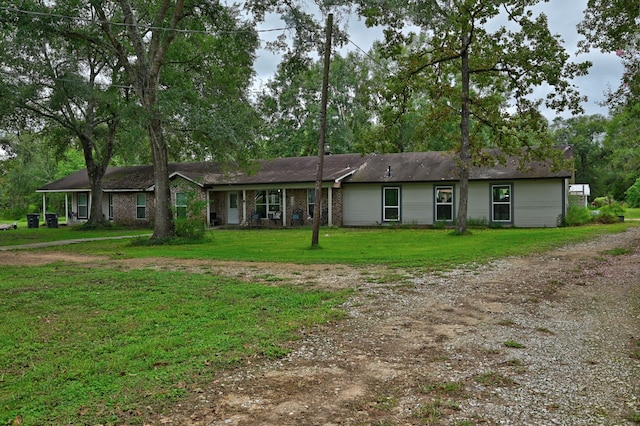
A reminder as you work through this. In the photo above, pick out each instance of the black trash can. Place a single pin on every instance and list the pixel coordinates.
(33, 220)
(52, 220)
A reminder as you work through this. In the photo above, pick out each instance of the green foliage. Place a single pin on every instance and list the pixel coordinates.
(290, 109)
(613, 26)
(633, 194)
(513, 344)
(97, 346)
(577, 215)
(586, 134)
(189, 225)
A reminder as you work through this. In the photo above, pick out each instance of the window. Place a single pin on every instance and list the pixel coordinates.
(141, 206)
(444, 203)
(267, 202)
(110, 206)
(181, 205)
(501, 203)
(83, 205)
(391, 204)
(311, 201)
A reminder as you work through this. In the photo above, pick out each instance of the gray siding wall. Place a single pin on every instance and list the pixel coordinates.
(417, 204)
(362, 204)
(535, 203)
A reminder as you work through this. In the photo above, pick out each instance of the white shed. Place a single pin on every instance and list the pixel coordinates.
(579, 194)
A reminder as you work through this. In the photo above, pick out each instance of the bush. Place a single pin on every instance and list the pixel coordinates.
(577, 215)
(606, 218)
(633, 194)
(190, 229)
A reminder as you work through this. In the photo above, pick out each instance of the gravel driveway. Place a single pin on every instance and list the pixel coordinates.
(547, 339)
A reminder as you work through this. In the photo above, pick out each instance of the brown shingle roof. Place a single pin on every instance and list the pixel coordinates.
(441, 166)
(374, 168)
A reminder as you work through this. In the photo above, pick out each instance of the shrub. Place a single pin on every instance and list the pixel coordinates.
(190, 229)
(477, 222)
(606, 218)
(577, 215)
(633, 194)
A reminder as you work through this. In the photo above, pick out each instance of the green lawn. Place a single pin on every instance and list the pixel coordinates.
(422, 248)
(99, 345)
(632, 213)
(24, 235)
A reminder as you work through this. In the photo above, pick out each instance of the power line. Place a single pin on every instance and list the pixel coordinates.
(124, 24)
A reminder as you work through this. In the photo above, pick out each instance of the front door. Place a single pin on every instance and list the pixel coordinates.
(232, 208)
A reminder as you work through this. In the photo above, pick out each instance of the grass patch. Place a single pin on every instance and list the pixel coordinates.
(448, 389)
(619, 251)
(432, 412)
(513, 344)
(634, 417)
(427, 249)
(24, 235)
(96, 346)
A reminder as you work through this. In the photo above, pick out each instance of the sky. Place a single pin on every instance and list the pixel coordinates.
(563, 16)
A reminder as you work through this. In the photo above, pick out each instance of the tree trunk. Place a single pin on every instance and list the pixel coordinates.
(163, 224)
(96, 171)
(465, 143)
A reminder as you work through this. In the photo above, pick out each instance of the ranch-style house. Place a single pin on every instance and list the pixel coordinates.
(420, 188)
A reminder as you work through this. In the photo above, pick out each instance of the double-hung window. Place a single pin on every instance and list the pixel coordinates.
(83, 205)
(444, 203)
(501, 208)
(181, 205)
(141, 205)
(311, 201)
(267, 202)
(391, 204)
(110, 206)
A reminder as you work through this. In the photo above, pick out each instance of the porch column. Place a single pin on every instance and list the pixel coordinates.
(244, 206)
(208, 212)
(284, 207)
(330, 206)
(44, 203)
(66, 208)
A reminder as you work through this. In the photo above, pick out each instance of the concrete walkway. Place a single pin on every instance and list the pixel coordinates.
(65, 242)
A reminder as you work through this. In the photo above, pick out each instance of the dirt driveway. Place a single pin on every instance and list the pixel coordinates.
(548, 339)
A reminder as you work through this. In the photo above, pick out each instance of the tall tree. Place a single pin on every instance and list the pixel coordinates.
(290, 105)
(586, 134)
(622, 148)
(488, 56)
(614, 26)
(144, 37)
(56, 80)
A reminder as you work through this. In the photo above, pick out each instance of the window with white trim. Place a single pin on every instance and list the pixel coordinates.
(181, 205)
(267, 202)
(311, 201)
(391, 204)
(444, 203)
(110, 206)
(501, 203)
(141, 205)
(83, 205)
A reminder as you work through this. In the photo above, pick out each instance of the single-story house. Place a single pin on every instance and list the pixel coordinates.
(420, 188)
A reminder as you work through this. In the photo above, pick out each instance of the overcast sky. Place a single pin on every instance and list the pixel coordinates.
(563, 16)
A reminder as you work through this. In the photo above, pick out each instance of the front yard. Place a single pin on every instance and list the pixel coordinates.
(109, 332)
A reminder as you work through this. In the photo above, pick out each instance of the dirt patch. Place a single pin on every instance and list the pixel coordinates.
(542, 339)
